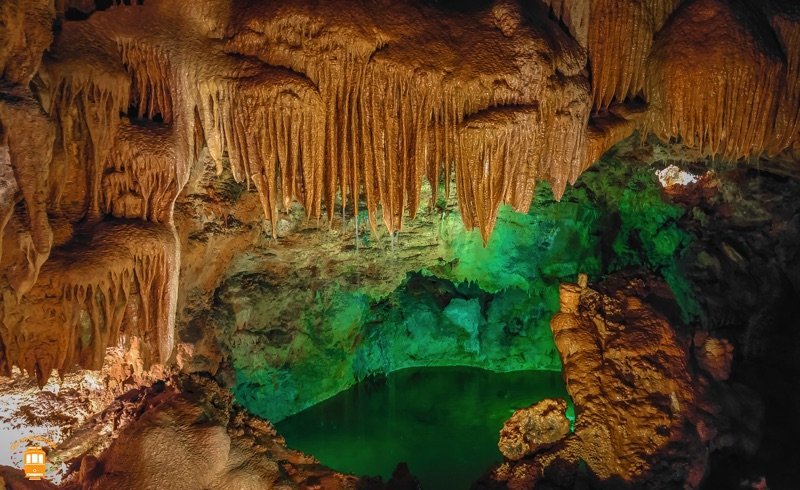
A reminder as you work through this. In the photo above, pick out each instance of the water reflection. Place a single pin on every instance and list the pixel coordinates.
(444, 422)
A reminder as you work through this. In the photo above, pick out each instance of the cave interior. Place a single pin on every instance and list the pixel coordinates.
(403, 244)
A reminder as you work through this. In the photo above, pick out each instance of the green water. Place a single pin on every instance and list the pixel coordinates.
(444, 422)
(470, 305)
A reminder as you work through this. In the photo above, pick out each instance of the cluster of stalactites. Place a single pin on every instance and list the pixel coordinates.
(719, 81)
(388, 128)
(620, 39)
(87, 109)
(498, 151)
(149, 68)
(122, 283)
(713, 74)
(618, 35)
(786, 24)
(140, 179)
(357, 129)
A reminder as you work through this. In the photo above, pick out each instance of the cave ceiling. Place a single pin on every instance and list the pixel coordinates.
(104, 112)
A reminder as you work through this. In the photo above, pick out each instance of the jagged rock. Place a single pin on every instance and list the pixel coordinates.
(331, 105)
(714, 355)
(642, 418)
(14, 479)
(534, 428)
(105, 121)
(732, 115)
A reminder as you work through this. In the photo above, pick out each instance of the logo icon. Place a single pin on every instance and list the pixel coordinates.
(35, 460)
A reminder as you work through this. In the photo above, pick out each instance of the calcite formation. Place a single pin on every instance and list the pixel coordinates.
(106, 114)
(328, 105)
(736, 115)
(534, 428)
(640, 407)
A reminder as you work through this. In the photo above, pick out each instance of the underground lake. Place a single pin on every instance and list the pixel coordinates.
(442, 421)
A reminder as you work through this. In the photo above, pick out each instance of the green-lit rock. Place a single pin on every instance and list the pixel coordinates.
(296, 341)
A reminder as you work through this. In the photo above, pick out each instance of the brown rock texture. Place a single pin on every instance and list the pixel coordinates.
(76, 412)
(328, 105)
(642, 418)
(714, 355)
(106, 110)
(717, 78)
(616, 344)
(109, 126)
(534, 428)
(186, 434)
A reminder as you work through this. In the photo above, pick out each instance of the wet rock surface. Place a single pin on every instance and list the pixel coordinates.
(172, 175)
(534, 428)
(644, 416)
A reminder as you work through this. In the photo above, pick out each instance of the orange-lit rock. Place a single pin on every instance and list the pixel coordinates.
(190, 436)
(109, 123)
(534, 428)
(716, 78)
(714, 355)
(641, 416)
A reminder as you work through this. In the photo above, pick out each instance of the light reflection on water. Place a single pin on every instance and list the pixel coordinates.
(444, 422)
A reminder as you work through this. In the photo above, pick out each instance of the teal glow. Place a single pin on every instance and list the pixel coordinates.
(478, 306)
(443, 422)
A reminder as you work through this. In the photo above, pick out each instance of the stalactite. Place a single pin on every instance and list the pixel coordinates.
(565, 156)
(267, 120)
(784, 17)
(150, 73)
(620, 39)
(715, 80)
(119, 283)
(28, 136)
(87, 107)
(326, 106)
(575, 15)
(498, 151)
(8, 192)
(139, 180)
(616, 124)
(398, 108)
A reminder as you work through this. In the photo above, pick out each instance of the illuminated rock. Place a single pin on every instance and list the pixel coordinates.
(534, 428)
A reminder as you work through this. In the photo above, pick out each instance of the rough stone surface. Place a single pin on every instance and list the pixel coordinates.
(109, 124)
(115, 235)
(714, 355)
(534, 428)
(643, 416)
(188, 434)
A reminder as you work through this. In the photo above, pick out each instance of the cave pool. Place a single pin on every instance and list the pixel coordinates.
(444, 422)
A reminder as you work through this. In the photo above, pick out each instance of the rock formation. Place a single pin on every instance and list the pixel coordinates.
(534, 428)
(643, 415)
(191, 437)
(331, 105)
(111, 236)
